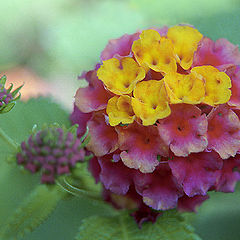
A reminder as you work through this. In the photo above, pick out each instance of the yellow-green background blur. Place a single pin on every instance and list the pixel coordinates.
(55, 40)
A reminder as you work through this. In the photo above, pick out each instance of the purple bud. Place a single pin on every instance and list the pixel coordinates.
(31, 167)
(57, 152)
(50, 159)
(20, 159)
(24, 146)
(51, 151)
(62, 169)
(46, 178)
(63, 160)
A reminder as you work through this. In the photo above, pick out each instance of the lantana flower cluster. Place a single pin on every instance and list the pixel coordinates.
(163, 108)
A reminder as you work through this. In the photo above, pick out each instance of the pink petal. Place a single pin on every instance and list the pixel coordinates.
(235, 77)
(158, 189)
(197, 172)
(190, 204)
(184, 131)
(162, 31)
(216, 53)
(142, 147)
(94, 97)
(114, 175)
(145, 214)
(223, 131)
(94, 168)
(131, 200)
(103, 138)
(80, 118)
(120, 46)
(228, 176)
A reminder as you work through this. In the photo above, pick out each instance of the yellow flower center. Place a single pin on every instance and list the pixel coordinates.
(146, 100)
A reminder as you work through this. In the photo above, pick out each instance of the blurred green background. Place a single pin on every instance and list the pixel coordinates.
(53, 41)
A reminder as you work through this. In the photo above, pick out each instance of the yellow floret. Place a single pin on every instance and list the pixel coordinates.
(185, 40)
(184, 88)
(150, 101)
(217, 85)
(119, 110)
(120, 76)
(155, 52)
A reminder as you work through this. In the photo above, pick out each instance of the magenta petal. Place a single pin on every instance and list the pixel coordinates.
(184, 131)
(190, 204)
(216, 53)
(158, 189)
(80, 118)
(94, 97)
(197, 173)
(131, 200)
(235, 77)
(162, 31)
(223, 131)
(228, 175)
(120, 46)
(114, 175)
(145, 214)
(142, 147)
(94, 168)
(103, 138)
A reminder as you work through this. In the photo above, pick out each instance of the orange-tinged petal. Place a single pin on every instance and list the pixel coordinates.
(120, 75)
(217, 85)
(150, 101)
(119, 110)
(185, 40)
(184, 88)
(155, 52)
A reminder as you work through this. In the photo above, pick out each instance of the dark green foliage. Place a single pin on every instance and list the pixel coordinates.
(170, 226)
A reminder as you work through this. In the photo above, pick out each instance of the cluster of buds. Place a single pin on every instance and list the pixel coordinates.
(53, 151)
(163, 109)
(7, 98)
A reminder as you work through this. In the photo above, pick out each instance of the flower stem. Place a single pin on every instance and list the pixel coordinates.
(9, 140)
(78, 191)
(91, 195)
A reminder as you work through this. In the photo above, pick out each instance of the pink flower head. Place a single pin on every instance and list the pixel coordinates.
(163, 114)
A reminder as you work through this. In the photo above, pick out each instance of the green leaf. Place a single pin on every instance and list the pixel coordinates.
(8, 107)
(170, 226)
(3, 80)
(32, 212)
(16, 91)
(10, 88)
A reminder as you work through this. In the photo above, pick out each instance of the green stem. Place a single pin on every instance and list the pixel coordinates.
(78, 192)
(62, 182)
(9, 140)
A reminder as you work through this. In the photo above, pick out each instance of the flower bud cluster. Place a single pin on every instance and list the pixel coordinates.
(7, 98)
(53, 151)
